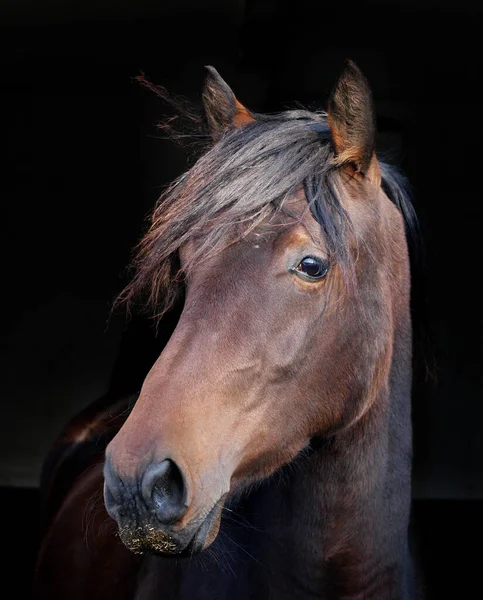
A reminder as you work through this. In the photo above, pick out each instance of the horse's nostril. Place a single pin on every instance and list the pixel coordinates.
(112, 497)
(163, 489)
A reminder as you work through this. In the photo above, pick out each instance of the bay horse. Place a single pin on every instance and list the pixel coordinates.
(268, 453)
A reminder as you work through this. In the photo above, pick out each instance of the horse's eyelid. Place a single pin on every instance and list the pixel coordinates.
(303, 275)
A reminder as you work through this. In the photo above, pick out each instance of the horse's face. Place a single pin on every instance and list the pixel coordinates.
(275, 345)
(270, 350)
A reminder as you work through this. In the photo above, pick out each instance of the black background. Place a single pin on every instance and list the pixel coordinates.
(83, 164)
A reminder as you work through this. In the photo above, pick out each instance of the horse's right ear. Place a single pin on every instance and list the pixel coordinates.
(222, 109)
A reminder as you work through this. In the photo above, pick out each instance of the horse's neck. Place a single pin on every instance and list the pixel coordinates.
(339, 522)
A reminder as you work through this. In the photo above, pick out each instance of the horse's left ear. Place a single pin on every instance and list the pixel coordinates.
(352, 124)
(222, 109)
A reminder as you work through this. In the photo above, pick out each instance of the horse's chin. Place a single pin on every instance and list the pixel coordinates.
(149, 539)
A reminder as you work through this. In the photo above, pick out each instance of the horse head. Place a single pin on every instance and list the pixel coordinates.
(295, 270)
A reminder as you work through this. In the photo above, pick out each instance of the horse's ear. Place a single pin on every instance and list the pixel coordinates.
(352, 123)
(222, 109)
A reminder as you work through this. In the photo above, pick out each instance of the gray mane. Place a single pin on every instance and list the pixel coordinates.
(236, 184)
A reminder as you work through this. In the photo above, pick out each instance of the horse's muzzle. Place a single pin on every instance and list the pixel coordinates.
(149, 511)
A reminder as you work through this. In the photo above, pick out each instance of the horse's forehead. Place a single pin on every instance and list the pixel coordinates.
(294, 224)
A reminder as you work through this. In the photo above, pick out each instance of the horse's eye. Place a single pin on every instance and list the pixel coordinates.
(312, 268)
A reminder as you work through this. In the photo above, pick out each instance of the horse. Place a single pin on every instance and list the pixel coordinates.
(268, 452)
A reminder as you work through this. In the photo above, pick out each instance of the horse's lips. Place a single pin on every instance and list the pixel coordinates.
(201, 539)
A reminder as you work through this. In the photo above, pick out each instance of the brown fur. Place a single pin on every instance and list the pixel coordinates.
(265, 373)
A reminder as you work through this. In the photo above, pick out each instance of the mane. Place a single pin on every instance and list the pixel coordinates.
(235, 185)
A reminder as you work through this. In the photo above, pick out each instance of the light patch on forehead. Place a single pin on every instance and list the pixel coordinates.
(304, 230)
(297, 236)
(292, 227)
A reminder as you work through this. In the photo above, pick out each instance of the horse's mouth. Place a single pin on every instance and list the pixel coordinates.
(148, 539)
(206, 533)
